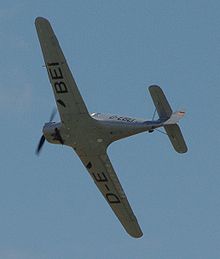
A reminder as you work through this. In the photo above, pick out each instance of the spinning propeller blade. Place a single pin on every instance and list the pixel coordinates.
(40, 145)
(53, 114)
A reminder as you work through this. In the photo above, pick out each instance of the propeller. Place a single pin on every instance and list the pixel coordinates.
(42, 139)
(53, 113)
(40, 145)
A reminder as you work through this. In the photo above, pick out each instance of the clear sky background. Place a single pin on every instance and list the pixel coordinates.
(49, 206)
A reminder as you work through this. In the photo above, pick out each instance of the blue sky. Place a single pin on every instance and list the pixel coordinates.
(49, 207)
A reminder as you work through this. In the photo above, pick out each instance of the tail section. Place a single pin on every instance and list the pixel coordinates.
(176, 138)
(175, 117)
(168, 118)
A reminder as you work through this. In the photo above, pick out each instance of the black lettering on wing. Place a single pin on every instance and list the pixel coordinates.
(53, 64)
(60, 87)
(61, 103)
(100, 177)
(112, 198)
(56, 73)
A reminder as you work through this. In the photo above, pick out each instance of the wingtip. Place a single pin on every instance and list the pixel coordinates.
(134, 230)
(40, 19)
(152, 87)
(136, 234)
(183, 150)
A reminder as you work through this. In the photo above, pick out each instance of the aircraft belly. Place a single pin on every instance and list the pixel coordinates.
(118, 130)
(86, 138)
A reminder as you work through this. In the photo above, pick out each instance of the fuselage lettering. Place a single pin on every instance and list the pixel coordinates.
(121, 118)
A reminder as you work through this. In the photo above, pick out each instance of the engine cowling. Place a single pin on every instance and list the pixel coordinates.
(52, 133)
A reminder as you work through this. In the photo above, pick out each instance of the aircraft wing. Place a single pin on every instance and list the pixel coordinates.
(104, 176)
(69, 101)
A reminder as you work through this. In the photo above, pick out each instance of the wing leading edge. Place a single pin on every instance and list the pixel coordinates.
(105, 178)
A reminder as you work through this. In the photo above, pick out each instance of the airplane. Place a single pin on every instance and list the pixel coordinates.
(91, 134)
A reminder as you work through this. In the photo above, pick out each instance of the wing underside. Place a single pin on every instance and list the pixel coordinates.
(105, 178)
(69, 101)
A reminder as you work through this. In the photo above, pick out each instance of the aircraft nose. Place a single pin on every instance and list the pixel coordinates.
(47, 128)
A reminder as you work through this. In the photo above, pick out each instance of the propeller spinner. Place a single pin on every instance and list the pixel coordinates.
(42, 139)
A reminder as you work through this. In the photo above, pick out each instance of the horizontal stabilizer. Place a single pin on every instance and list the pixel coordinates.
(160, 101)
(175, 135)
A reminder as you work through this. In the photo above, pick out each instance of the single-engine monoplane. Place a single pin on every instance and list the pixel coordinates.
(91, 134)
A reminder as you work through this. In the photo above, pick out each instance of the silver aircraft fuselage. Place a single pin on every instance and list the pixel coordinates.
(99, 129)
